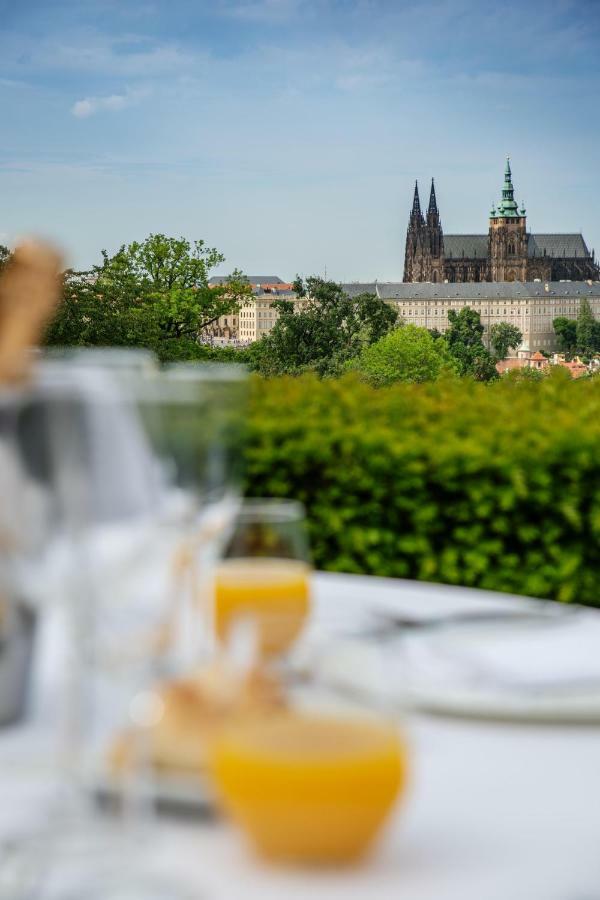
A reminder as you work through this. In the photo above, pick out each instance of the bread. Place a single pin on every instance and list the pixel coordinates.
(193, 710)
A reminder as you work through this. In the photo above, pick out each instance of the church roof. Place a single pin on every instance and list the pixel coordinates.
(469, 245)
(354, 288)
(557, 245)
(473, 290)
(476, 245)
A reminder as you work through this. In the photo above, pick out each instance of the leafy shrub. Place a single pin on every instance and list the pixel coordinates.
(494, 486)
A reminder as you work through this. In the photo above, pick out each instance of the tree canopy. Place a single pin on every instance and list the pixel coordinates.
(408, 353)
(566, 332)
(580, 335)
(328, 330)
(585, 329)
(153, 293)
(464, 339)
(503, 337)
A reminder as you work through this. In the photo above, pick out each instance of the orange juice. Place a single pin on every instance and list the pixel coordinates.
(274, 591)
(310, 788)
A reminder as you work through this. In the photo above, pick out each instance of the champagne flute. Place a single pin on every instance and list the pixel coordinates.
(264, 575)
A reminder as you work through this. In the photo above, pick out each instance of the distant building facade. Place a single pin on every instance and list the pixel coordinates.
(508, 252)
(257, 316)
(530, 306)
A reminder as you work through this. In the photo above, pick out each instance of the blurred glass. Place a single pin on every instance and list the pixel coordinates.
(125, 440)
(264, 574)
(25, 507)
(116, 359)
(195, 417)
(313, 779)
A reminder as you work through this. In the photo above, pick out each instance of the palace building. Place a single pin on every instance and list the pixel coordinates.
(508, 252)
(256, 316)
(531, 306)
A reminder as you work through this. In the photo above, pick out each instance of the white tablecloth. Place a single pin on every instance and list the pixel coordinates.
(494, 812)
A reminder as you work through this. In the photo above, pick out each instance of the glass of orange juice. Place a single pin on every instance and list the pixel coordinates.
(264, 575)
(313, 781)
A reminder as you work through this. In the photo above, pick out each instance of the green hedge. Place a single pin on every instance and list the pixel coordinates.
(495, 486)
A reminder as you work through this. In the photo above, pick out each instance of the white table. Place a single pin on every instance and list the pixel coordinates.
(495, 811)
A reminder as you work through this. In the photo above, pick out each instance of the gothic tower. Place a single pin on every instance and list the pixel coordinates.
(435, 240)
(508, 236)
(415, 241)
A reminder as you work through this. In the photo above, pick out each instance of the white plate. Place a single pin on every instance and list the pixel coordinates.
(545, 673)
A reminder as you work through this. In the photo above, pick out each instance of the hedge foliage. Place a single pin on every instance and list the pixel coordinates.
(495, 486)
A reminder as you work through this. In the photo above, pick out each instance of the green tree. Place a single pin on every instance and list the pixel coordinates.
(503, 337)
(464, 339)
(518, 376)
(172, 275)
(4, 255)
(153, 293)
(407, 354)
(162, 263)
(596, 336)
(566, 332)
(329, 330)
(585, 329)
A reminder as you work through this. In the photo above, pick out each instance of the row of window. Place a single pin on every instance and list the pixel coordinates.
(423, 304)
(444, 312)
(426, 309)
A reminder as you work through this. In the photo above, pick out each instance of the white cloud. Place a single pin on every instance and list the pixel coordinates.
(88, 106)
(83, 108)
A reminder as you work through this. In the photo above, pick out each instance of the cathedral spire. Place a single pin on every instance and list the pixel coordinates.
(508, 206)
(433, 200)
(435, 239)
(417, 215)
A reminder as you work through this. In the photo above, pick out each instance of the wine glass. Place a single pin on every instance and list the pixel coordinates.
(118, 565)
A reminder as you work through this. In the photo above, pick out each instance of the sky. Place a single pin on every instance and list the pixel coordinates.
(289, 133)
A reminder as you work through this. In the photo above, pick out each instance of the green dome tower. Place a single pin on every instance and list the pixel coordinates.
(508, 235)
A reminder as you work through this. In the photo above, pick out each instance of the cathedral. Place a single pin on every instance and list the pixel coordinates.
(508, 252)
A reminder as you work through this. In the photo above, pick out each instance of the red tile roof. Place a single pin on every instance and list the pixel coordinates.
(576, 369)
(505, 365)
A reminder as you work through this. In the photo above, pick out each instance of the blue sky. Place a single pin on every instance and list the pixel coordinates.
(289, 133)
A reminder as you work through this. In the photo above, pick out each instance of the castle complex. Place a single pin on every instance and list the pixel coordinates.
(508, 275)
(508, 252)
